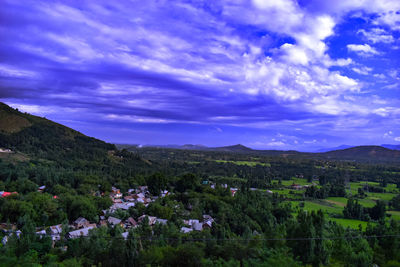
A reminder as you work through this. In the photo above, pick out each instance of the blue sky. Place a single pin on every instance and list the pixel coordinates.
(279, 74)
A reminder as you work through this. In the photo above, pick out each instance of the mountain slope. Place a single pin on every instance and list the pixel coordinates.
(45, 139)
(394, 147)
(11, 121)
(235, 148)
(365, 153)
(341, 147)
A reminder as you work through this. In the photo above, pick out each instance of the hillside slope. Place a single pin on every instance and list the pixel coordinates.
(45, 139)
(365, 153)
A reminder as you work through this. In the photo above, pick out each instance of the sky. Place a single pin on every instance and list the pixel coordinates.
(278, 74)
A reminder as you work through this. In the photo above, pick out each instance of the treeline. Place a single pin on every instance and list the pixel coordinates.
(252, 229)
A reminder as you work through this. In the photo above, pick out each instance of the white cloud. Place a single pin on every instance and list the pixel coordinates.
(388, 134)
(362, 70)
(12, 71)
(397, 139)
(365, 49)
(377, 35)
(33, 109)
(276, 143)
(341, 62)
(379, 75)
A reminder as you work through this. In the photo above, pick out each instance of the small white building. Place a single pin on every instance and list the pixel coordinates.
(80, 232)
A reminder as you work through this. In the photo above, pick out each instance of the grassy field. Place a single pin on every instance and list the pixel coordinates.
(248, 163)
(333, 206)
(293, 180)
(349, 223)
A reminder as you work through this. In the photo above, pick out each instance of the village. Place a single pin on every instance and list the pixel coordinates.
(81, 227)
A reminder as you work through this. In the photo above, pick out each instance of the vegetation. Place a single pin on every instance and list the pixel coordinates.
(288, 211)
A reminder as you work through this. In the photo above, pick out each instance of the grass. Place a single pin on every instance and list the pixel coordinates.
(294, 180)
(333, 206)
(382, 196)
(338, 201)
(351, 223)
(248, 163)
(394, 214)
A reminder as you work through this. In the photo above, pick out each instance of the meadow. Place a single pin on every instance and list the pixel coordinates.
(333, 206)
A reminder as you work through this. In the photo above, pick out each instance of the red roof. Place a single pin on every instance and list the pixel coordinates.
(6, 194)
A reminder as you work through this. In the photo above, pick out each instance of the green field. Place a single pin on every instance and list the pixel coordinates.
(350, 223)
(248, 163)
(333, 206)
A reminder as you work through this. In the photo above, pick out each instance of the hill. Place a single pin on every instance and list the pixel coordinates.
(235, 148)
(45, 139)
(365, 153)
(394, 147)
(322, 150)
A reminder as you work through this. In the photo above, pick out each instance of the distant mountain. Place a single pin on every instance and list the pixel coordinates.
(333, 148)
(364, 153)
(235, 148)
(394, 147)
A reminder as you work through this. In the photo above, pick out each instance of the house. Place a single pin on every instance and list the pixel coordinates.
(56, 231)
(197, 226)
(143, 188)
(80, 223)
(41, 233)
(6, 194)
(114, 221)
(41, 188)
(123, 205)
(129, 198)
(130, 223)
(152, 219)
(207, 221)
(115, 193)
(5, 238)
(186, 230)
(103, 222)
(161, 221)
(207, 217)
(190, 222)
(80, 232)
(233, 191)
(164, 193)
(207, 224)
(296, 186)
(125, 235)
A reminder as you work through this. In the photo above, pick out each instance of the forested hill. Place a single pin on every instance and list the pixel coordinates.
(365, 153)
(42, 138)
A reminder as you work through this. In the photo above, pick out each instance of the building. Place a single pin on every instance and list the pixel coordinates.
(80, 223)
(80, 232)
(114, 221)
(130, 223)
(186, 230)
(152, 219)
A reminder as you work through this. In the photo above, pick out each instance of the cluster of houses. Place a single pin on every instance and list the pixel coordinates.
(132, 197)
(300, 187)
(197, 225)
(233, 190)
(81, 226)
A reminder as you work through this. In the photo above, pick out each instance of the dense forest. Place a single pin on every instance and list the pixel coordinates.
(54, 176)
